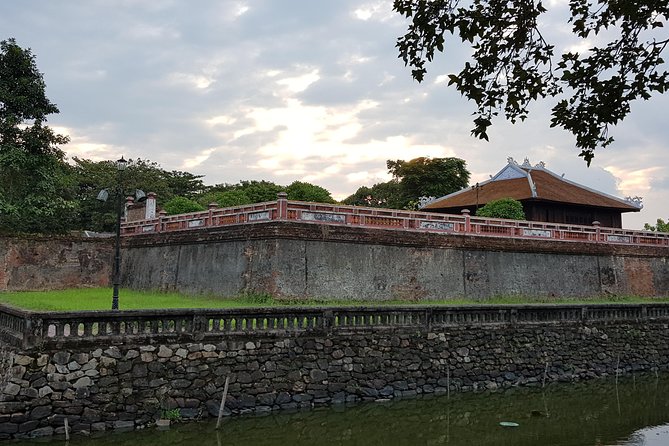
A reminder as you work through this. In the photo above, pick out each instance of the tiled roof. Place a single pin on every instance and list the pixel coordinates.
(547, 187)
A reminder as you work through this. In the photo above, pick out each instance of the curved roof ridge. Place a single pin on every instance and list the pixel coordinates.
(589, 189)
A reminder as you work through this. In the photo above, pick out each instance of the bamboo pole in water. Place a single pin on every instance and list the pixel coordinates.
(67, 430)
(448, 382)
(220, 409)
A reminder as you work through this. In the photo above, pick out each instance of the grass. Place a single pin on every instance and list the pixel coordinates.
(100, 299)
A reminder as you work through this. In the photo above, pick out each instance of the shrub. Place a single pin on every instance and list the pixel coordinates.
(503, 208)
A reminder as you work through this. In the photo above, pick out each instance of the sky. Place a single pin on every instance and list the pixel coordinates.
(297, 90)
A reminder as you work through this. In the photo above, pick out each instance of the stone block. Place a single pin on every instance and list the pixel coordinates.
(8, 428)
(11, 389)
(40, 412)
(123, 425)
(84, 381)
(113, 353)
(164, 352)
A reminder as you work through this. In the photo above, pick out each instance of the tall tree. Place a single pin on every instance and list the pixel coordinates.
(381, 195)
(36, 193)
(92, 176)
(301, 191)
(429, 177)
(512, 64)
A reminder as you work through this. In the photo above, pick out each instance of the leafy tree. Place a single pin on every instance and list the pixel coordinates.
(380, 195)
(255, 191)
(512, 64)
(301, 191)
(36, 194)
(660, 226)
(184, 184)
(92, 176)
(247, 192)
(428, 177)
(182, 205)
(502, 208)
(225, 199)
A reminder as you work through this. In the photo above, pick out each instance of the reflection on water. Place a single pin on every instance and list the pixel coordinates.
(634, 412)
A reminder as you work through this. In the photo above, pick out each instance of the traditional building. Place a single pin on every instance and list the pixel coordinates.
(545, 196)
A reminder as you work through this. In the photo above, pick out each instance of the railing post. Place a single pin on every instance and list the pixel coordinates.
(210, 218)
(597, 225)
(328, 321)
(468, 223)
(161, 220)
(282, 206)
(28, 334)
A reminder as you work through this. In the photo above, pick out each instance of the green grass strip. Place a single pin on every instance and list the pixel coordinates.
(100, 299)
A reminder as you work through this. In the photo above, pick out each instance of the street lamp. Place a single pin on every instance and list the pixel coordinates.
(121, 165)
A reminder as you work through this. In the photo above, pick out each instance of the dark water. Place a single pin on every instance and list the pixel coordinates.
(634, 412)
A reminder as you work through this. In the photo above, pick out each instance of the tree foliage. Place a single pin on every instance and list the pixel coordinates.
(419, 177)
(380, 195)
(502, 208)
(301, 191)
(512, 64)
(182, 205)
(660, 226)
(36, 192)
(255, 191)
(93, 176)
(429, 177)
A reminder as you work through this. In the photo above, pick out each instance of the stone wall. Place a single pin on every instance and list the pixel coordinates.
(298, 260)
(46, 263)
(118, 383)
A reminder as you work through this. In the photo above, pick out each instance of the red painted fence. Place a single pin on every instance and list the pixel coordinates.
(332, 214)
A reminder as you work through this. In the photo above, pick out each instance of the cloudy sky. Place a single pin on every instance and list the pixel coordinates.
(295, 90)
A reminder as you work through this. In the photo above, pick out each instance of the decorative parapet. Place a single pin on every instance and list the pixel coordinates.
(355, 216)
(28, 329)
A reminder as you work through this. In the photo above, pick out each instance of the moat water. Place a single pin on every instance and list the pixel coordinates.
(635, 411)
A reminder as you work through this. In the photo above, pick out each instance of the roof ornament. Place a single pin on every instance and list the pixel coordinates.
(424, 201)
(540, 165)
(510, 160)
(526, 163)
(635, 201)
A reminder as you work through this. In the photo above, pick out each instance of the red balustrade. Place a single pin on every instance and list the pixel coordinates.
(356, 216)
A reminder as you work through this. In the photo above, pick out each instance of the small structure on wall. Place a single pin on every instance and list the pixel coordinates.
(545, 196)
(144, 210)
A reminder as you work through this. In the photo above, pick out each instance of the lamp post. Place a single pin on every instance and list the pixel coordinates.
(120, 167)
(102, 196)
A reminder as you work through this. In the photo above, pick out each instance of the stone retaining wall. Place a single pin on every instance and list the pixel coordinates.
(121, 384)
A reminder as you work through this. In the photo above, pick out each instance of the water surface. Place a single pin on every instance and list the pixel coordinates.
(633, 412)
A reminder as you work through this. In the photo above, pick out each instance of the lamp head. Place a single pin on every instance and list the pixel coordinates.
(103, 195)
(121, 164)
(139, 195)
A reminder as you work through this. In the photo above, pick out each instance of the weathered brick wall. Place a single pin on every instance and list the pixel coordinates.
(298, 260)
(47, 263)
(116, 384)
